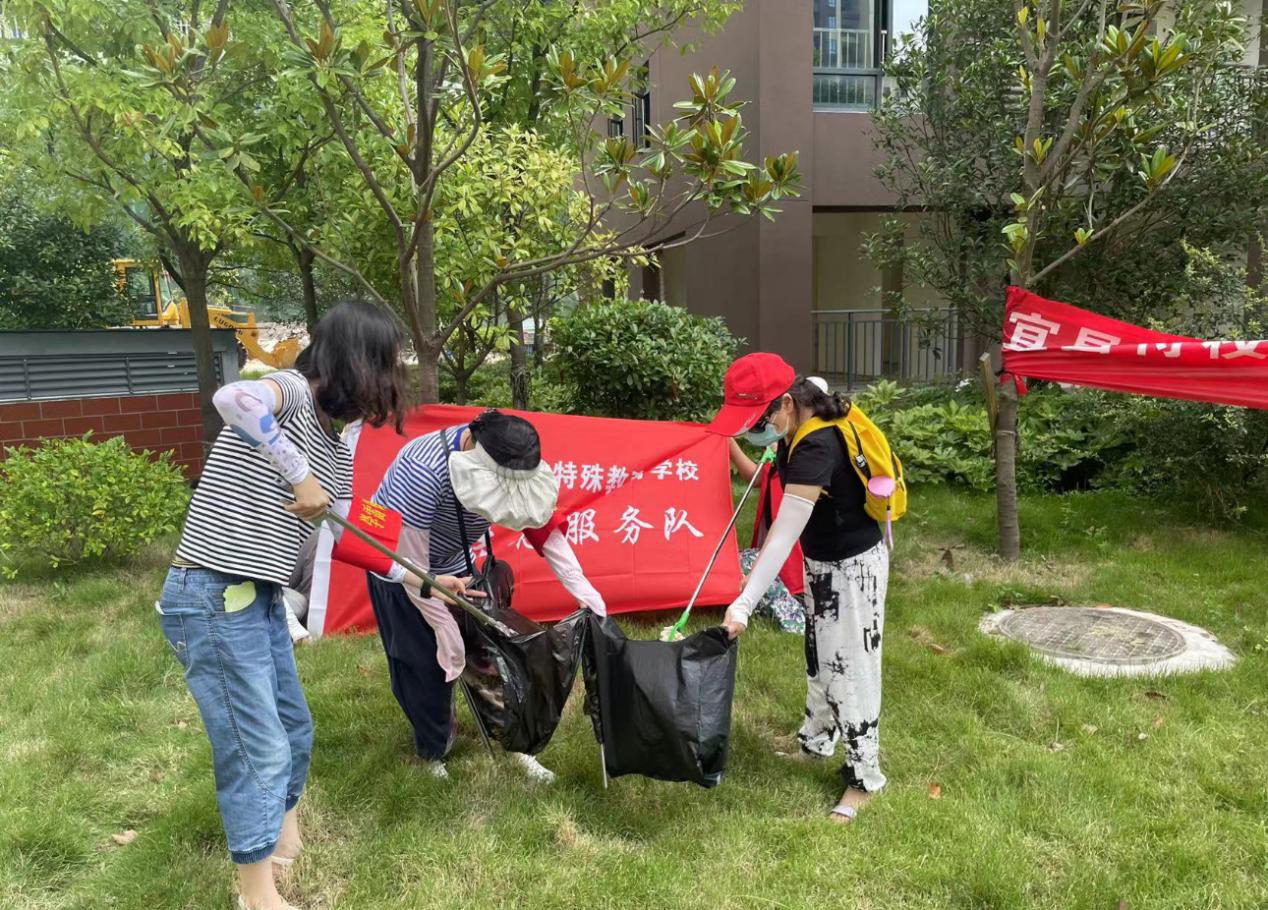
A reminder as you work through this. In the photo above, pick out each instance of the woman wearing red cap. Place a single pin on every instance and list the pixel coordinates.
(847, 563)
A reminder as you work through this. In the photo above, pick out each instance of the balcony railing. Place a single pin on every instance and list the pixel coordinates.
(844, 48)
(1249, 107)
(855, 347)
(858, 90)
(845, 71)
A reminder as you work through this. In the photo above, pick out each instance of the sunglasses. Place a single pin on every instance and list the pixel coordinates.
(767, 415)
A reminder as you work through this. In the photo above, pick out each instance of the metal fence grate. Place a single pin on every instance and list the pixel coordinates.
(855, 347)
(97, 363)
(86, 376)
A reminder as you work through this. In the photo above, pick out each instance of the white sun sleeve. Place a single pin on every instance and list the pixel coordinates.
(794, 512)
(247, 408)
(559, 555)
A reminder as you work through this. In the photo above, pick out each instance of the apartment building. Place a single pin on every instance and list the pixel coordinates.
(800, 286)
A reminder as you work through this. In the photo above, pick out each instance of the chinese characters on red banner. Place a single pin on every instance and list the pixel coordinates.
(1030, 331)
(642, 503)
(587, 525)
(1046, 339)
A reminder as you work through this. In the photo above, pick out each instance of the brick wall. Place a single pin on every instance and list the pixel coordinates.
(156, 423)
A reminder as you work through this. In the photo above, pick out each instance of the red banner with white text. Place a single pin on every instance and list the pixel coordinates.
(1044, 339)
(643, 504)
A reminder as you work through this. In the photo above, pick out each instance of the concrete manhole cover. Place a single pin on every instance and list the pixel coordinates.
(1086, 632)
(1110, 641)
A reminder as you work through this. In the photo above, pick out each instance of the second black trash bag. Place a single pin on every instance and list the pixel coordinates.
(661, 709)
(519, 673)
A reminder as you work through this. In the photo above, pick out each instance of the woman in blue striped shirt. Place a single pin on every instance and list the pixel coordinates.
(492, 470)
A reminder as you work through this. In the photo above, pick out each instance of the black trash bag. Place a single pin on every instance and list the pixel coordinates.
(519, 674)
(661, 709)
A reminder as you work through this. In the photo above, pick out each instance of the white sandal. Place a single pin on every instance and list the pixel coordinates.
(243, 905)
(846, 812)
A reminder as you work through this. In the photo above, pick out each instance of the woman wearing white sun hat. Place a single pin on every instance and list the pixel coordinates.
(450, 487)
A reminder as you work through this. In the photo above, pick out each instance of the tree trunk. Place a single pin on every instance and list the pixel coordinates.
(424, 317)
(1006, 434)
(521, 381)
(1006, 473)
(460, 387)
(193, 265)
(543, 309)
(428, 371)
(305, 258)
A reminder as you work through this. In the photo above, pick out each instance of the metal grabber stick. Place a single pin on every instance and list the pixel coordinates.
(462, 603)
(669, 633)
(444, 593)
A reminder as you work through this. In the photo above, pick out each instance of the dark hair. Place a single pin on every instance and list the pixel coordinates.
(354, 363)
(511, 441)
(824, 405)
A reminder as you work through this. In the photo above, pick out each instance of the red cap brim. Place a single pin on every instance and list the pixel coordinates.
(734, 419)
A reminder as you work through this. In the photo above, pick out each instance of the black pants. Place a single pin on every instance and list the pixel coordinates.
(418, 682)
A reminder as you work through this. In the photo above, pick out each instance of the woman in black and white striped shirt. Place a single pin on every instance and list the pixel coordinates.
(278, 463)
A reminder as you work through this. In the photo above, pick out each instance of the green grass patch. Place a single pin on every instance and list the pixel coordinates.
(1049, 795)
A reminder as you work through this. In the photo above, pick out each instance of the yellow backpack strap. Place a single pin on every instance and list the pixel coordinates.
(860, 457)
(846, 431)
(814, 423)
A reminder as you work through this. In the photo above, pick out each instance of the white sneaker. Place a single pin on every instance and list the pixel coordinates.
(437, 770)
(533, 768)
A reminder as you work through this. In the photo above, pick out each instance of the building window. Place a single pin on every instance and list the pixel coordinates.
(616, 127)
(642, 105)
(850, 39)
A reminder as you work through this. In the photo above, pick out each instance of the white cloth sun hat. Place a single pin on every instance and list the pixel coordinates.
(515, 499)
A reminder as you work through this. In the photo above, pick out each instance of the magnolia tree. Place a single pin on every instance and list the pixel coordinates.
(1037, 142)
(405, 89)
(511, 191)
(104, 102)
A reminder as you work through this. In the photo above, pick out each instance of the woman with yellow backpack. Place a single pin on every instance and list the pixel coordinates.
(841, 484)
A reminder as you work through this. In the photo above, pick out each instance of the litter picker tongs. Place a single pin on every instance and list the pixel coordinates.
(444, 593)
(674, 632)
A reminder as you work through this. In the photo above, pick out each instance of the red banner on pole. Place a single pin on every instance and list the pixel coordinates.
(1044, 339)
(643, 504)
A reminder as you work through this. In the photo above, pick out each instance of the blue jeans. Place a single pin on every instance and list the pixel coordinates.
(240, 668)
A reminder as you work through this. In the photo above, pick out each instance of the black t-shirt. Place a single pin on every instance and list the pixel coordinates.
(838, 527)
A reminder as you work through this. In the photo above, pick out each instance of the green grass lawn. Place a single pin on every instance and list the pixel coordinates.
(1055, 791)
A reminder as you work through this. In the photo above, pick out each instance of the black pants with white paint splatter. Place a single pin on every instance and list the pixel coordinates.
(843, 662)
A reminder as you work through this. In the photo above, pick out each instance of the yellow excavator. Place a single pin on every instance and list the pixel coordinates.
(156, 302)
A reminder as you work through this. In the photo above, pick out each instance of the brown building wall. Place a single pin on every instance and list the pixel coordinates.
(760, 275)
(844, 173)
(785, 251)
